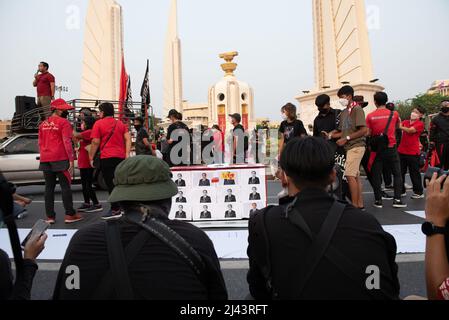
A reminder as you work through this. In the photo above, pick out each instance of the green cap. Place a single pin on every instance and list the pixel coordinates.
(143, 178)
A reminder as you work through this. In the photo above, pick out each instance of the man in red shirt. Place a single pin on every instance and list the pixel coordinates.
(377, 123)
(112, 139)
(44, 81)
(57, 160)
(409, 151)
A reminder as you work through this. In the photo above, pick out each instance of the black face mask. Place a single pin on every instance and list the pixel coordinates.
(445, 109)
(138, 128)
(65, 114)
(323, 111)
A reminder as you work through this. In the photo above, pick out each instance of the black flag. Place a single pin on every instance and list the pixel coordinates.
(145, 91)
(129, 115)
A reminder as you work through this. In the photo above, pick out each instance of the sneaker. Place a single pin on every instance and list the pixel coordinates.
(378, 205)
(408, 187)
(94, 208)
(84, 207)
(389, 188)
(418, 196)
(72, 219)
(399, 204)
(404, 195)
(22, 215)
(112, 214)
(50, 220)
(386, 196)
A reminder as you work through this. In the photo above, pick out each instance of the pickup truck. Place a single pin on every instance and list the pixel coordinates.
(19, 161)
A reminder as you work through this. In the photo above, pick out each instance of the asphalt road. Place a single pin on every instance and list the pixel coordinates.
(411, 267)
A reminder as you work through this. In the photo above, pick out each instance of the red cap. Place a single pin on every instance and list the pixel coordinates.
(60, 104)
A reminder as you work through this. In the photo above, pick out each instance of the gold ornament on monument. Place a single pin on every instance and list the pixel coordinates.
(229, 67)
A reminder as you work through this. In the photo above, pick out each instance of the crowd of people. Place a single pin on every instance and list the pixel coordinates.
(311, 246)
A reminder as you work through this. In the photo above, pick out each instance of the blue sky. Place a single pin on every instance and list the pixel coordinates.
(409, 42)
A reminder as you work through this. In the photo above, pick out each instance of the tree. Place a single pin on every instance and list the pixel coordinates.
(430, 102)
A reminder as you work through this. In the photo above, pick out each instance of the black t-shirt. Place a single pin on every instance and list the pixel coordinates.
(359, 237)
(291, 130)
(157, 273)
(141, 148)
(239, 129)
(327, 123)
(178, 132)
(440, 129)
(21, 289)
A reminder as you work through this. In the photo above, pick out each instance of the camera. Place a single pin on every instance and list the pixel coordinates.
(431, 171)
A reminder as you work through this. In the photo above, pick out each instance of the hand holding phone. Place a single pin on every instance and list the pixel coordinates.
(36, 232)
(34, 248)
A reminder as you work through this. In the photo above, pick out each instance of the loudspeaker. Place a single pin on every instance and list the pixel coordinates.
(25, 104)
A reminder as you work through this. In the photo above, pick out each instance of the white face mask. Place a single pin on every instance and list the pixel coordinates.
(344, 102)
(414, 116)
(284, 116)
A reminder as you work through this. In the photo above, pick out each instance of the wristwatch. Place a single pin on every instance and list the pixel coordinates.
(429, 229)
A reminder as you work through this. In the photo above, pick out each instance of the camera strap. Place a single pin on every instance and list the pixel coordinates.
(321, 247)
(117, 278)
(6, 206)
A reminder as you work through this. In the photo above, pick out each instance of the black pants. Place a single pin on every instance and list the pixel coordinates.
(87, 180)
(108, 167)
(411, 163)
(391, 157)
(67, 199)
(443, 154)
(387, 175)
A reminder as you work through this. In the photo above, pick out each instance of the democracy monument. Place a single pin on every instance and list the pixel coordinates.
(341, 49)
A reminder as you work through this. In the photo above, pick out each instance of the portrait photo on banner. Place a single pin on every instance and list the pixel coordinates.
(181, 211)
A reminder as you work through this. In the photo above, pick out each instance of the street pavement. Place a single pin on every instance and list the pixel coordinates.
(411, 267)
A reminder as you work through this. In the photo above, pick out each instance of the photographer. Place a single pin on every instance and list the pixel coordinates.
(437, 215)
(26, 268)
(287, 258)
(143, 255)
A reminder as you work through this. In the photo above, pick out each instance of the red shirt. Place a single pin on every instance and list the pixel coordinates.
(43, 84)
(377, 121)
(83, 155)
(115, 147)
(410, 141)
(55, 140)
(218, 140)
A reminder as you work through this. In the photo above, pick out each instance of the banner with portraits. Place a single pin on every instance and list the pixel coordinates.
(218, 194)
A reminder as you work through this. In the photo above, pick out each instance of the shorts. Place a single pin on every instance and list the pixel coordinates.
(354, 158)
(57, 166)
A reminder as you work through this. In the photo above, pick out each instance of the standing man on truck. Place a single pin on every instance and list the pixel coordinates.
(44, 82)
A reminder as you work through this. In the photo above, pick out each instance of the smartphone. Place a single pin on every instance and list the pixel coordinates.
(36, 232)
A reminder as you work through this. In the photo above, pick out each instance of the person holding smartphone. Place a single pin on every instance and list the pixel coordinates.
(21, 289)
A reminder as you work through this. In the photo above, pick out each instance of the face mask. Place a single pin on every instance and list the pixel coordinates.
(414, 116)
(323, 111)
(344, 102)
(284, 117)
(445, 109)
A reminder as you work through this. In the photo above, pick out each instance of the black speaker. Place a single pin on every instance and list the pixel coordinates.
(25, 104)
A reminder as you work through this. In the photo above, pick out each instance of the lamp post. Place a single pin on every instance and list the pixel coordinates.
(61, 89)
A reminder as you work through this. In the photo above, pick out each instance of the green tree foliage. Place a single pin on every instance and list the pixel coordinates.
(430, 102)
